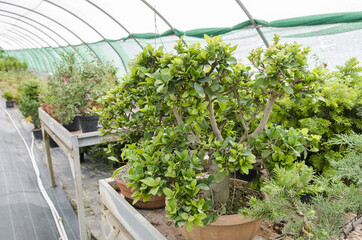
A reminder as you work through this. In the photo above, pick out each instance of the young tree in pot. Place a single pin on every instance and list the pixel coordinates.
(74, 88)
(29, 101)
(200, 104)
(9, 94)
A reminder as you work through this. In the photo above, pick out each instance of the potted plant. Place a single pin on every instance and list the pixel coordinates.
(74, 88)
(29, 103)
(202, 116)
(9, 95)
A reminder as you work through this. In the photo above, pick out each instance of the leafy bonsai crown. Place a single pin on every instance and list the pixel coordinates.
(199, 111)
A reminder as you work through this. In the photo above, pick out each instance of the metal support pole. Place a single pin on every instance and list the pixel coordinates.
(110, 16)
(253, 22)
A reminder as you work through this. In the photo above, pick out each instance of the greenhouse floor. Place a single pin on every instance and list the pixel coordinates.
(24, 213)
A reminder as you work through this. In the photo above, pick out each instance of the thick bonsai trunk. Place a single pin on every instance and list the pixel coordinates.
(220, 191)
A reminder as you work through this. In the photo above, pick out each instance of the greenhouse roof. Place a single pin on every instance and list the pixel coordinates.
(39, 31)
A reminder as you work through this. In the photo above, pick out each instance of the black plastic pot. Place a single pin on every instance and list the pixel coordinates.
(88, 123)
(72, 126)
(38, 134)
(52, 143)
(9, 104)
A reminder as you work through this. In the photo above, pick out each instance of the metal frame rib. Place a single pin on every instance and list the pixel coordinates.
(55, 21)
(241, 5)
(48, 28)
(116, 21)
(82, 20)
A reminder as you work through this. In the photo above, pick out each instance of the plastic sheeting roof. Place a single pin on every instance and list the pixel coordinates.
(32, 24)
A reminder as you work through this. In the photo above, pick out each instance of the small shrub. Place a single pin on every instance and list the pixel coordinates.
(29, 100)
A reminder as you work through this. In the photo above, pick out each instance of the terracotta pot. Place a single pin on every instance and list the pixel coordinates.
(230, 227)
(153, 203)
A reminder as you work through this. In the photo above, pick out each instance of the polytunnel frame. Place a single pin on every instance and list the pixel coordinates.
(36, 47)
(19, 43)
(46, 27)
(95, 30)
(39, 31)
(55, 21)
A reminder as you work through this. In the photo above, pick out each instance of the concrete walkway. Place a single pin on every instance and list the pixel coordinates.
(24, 214)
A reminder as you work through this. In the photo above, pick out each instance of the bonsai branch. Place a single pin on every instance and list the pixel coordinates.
(241, 115)
(177, 115)
(267, 111)
(214, 126)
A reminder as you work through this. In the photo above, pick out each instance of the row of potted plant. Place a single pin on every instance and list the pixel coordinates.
(71, 92)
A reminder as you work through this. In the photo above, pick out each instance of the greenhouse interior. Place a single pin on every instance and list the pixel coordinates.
(181, 120)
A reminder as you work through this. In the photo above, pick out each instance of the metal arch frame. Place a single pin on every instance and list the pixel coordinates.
(57, 34)
(35, 63)
(34, 41)
(36, 29)
(55, 21)
(121, 25)
(11, 44)
(32, 62)
(241, 5)
(95, 30)
(26, 38)
(163, 18)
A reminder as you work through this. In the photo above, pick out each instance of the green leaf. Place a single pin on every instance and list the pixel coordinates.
(168, 192)
(199, 89)
(189, 226)
(154, 191)
(231, 60)
(304, 131)
(221, 98)
(112, 158)
(184, 216)
(149, 181)
(204, 79)
(203, 186)
(222, 105)
(160, 88)
(288, 89)
(185, 94)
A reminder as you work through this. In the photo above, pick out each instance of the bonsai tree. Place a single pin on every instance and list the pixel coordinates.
(197, 115)
(29, 100)
(74, 87)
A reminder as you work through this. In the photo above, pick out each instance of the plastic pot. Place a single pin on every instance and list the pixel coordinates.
(9, 104)
(37, 134)
(72, 126)
(88, 123)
